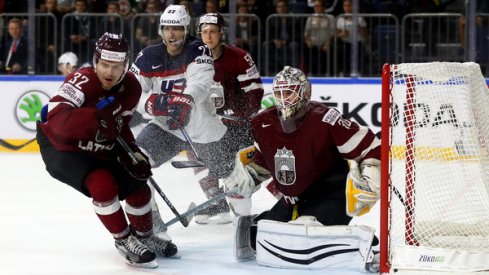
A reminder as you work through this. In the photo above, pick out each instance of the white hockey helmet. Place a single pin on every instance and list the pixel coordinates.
(174, 15)
(68, 58)
(291, 91)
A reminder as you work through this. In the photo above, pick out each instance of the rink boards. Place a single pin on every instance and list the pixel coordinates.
(24, 96)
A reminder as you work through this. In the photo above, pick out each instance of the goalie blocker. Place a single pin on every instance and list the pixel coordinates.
(305, 244)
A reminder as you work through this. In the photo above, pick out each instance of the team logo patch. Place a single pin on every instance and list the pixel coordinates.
(285, 166)
(72, 94)
(252, 71)
(331, 116)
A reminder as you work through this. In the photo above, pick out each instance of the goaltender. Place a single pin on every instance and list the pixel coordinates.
(310, 151)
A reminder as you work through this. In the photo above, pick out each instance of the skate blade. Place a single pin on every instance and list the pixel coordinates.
(150, 265)
(174, 257)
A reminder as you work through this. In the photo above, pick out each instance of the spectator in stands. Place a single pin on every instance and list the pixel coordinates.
(141, 6)
(345, 38)
(79, 32)
(66, 6)
(482, 6)
(318, 34)
(97, 6)
(14, 51)
(211, 6)
(262, 9)
(127, 12)
(146, 33)
(283, 46)
(246, 30)
(389, 6)
(46, 44)
(112, 22)
(67, 63)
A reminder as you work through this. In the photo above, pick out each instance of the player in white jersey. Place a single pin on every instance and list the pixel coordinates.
(177, 74)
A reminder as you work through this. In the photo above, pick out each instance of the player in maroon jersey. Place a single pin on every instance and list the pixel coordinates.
(237, 95)
(304, 145)
(78, 144)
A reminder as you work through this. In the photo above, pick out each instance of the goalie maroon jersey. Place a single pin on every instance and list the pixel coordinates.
(71, 123)
(313, 157)
(243, 89)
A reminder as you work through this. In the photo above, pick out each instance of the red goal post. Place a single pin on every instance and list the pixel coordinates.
(435, 167)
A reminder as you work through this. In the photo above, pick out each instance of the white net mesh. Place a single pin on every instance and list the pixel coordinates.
(439, 159)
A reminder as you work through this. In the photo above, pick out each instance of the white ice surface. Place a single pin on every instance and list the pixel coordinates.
(48, 228)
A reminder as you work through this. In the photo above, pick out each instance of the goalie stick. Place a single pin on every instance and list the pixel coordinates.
(189, 214)
(188, 163)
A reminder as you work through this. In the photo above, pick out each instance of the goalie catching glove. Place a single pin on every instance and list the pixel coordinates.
(362, 187)
(176, 106)
(246, 175)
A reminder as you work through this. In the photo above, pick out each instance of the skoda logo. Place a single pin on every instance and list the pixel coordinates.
(28, 108)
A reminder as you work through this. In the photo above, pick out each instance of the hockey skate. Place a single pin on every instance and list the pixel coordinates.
(159, 245)
(215, 214)
(136, 253)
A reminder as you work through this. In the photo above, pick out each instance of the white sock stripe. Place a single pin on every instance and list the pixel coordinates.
(107, 208)
(138, 211)
(121, 234)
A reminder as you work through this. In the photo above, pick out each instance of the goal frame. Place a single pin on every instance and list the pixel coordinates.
(388, 190)
(384, 176)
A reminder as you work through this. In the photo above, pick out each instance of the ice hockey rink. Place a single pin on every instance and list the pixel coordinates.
(48, 228)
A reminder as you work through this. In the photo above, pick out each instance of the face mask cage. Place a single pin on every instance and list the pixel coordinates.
(288, 99)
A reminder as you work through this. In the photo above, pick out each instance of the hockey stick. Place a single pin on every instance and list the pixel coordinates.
(179, 217)
(233, 118)
(15, 147)
(102, 104)
(189, 214)
(188, 163)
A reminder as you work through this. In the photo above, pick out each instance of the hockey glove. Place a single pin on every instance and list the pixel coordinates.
(362, 188)
(141, 169)
(176, 106)
(246, 175)
(109, 117)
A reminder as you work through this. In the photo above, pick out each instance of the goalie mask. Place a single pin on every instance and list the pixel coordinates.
(292, 93)
(174, 15)
(112, 47)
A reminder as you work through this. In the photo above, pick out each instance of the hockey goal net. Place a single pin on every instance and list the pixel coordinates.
(435, 168)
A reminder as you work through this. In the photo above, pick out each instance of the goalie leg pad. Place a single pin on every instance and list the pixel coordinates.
(240, 206)
(243, 248)
(310, 245)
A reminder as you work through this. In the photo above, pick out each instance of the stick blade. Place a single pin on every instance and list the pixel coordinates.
(187, 164)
